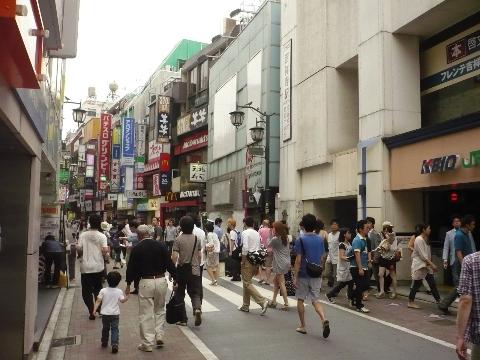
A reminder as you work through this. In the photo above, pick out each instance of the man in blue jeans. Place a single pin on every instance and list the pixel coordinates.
(310, 248)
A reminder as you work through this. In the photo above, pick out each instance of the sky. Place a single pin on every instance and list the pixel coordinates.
(124, 41)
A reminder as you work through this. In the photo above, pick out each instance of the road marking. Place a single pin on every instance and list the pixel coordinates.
(268, 293)
(228, 295)
(206, 306)
(199, 344)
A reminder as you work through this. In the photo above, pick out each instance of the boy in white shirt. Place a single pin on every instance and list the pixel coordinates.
(109, 298)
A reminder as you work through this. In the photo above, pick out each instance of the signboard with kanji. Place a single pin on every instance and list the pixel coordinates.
(198, 172)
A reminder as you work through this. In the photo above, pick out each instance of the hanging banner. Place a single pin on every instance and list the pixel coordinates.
(165, 181)
(128, 141)
(116, 143)
(286, 96)
(115, 176)
(81, 152)
(154, 151)
(156, 184)
(104, 147)
(163, 119)
(141, 139)
(164, 162)
(139, 182)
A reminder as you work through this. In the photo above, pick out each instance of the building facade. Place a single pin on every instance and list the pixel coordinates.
(369, 91)
(241, 182)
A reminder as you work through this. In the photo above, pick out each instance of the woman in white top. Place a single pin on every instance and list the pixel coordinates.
(212, 252)
(422, 266)
(388, 250)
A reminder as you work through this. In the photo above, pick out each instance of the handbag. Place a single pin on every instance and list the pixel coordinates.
(175, 309)
(313, 270)
(257, 257)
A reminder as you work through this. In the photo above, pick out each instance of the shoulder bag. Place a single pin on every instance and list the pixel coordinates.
(313, 270)
(186, 269)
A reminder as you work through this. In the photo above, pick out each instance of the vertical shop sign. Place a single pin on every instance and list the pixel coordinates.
(116, 155)
(104, 156)
(163, 119)
(139, 182)
(164, 162)
(154, 151)
(115, 179)
(156, 184)
(286, 97)
(165, 181)
(141, 138)
(198, 172)
(128, 141)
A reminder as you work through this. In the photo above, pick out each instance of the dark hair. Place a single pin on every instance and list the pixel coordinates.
(249, 222)
(360, 225)
(418, 229)
(309, 222)
(370, 219)
(195, 218)
(187, 224)
(50, 237)
(467, 220)
(209, 226)
(133, 223)
(320, 225)
(113, 278)
(281, 231)
(120, 227)
(343, 232)
(455, 216)
(218, 221)
(95, 221)
(334, 221)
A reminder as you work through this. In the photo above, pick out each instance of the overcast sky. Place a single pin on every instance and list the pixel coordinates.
(124, 41)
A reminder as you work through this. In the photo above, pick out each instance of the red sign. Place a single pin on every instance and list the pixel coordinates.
(140, 182)
(104, 147)
(156, 184)
(164, 162)
(152, 166)
(192, 142)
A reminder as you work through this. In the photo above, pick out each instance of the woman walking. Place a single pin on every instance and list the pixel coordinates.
(388, 250)
(212, 252)
(422, 266)
(280, 263)
(344, 277)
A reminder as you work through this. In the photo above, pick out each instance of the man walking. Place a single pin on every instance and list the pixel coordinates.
(217, 229)
(359, 265)
(148, 262)
(375, 240)
(53, 251)
(92, 246)
(449, 255)
(251, 243)
(468, 315)
(332, 258)
(463, 247)
(157, 231)
(310, 248)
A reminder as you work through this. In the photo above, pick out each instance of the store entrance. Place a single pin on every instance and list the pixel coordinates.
(346, 212)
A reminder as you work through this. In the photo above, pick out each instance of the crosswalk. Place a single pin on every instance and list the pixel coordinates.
(206, 305)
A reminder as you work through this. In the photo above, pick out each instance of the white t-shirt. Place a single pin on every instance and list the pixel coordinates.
(110, 298)
(212, 238)
(200, 234)
(250, 241)
(333, 247)
(92, 242)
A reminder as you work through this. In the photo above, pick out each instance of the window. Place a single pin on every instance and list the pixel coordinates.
(193, 81)
(91, 112)
(204, 75)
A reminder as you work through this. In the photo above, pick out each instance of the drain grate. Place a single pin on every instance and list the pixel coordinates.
(66, 341)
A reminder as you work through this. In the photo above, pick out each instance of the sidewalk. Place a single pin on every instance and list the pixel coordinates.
(177, 345)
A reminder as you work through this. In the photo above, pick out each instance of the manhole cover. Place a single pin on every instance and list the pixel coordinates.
(66, 341)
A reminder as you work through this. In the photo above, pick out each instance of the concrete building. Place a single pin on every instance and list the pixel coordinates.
(32, 82)
(361, 77)
(239, 183)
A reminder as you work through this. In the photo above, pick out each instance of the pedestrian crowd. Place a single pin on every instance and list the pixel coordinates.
(345, 257)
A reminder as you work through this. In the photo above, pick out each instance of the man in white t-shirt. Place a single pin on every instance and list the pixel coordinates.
(92, 246)
(332, 258)
(251, 242)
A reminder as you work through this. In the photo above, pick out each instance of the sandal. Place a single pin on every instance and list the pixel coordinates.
(272, 305)
(285, 307)
(301, 330)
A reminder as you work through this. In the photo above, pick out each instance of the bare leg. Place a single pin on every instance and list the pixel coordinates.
(319, 309)
(393, 275)
(283, 289)
(275, 289)
(381, 279)
(301, 312)
(211, 274)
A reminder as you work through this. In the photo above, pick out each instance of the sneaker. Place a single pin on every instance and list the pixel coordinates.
(260, 282)
(413, 306)
(363, 310)
(114, 349)
(443, 309)
(159, 343)
(380, 295)
(330, 299)
(181, 323)
(198, 317)
(326, 329)
(104, 344)
(244, 309)
(264, 307)
(457, 300)
(145, 348)
(301, 330)
(91, 317)
(393, 295)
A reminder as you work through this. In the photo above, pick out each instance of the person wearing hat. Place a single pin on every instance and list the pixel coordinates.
(389, 255)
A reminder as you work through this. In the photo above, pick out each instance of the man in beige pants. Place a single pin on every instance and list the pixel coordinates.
(250, 243)
(148, 262)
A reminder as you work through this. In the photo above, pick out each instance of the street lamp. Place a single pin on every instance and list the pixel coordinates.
(79, 115)
(236, 117)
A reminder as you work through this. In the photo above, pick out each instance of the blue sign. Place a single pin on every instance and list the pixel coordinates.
(123, 173)
(128, 141)
(116, 150)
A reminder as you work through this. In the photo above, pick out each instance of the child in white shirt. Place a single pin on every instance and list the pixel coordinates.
(109, 298)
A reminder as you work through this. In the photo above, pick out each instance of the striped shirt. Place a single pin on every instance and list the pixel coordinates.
(470, 285)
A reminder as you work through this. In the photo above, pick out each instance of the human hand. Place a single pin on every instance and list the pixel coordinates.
(445, 264)
(361, 272)
(434, 268)
(175, 286)
(461, 349)
(127, 290)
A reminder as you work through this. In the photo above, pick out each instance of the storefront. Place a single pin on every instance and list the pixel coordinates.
(178, 204)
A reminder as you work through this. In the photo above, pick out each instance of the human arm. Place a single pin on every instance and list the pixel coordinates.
(98, 302)
(104, 245)
(421, 249)
(124, 298)
(341, 254)
(296, 268)
(459, 245)
(358, 261)
(446, 250)
(411, 243)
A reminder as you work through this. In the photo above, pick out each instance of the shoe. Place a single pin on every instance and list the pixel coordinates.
(104, 344)
(380, 295)
(330, 299)
(91, 317)
(143, 347)
(244, 309)
(264, 307)
(114, 349)
(457, 300)
(134, 292)
(285, 307)
(301, 330)
(159, 343)
(266, 283)
(235, 279)
(393, 295)
(272, 305)
(363, 310)
(326, 329)
(428, 292)
(351, 303)
(260, 282)
(198, 317)
(181, 323)
(413, 306)
(443, 309)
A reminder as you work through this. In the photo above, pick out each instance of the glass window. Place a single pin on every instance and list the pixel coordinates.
(193, 81)
(204, 75)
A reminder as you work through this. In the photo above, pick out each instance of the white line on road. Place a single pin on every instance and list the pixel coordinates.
(228, 295)
(206, 306)
(199, 344)
(267, 293)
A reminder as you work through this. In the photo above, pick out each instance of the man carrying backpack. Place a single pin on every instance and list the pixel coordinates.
(310, 250)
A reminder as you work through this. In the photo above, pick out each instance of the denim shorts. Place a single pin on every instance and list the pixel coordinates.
(309, 288)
